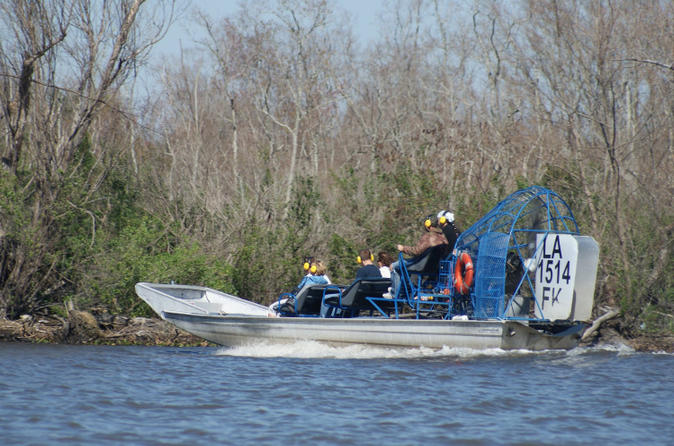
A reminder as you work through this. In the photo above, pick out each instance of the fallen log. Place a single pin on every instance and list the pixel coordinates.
(597, 322)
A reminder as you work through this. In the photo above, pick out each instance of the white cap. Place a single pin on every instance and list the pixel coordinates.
(447, 215)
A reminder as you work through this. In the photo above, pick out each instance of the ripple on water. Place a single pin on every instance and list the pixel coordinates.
(309, 393)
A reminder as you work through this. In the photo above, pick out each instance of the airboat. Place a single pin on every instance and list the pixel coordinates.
(522, 277)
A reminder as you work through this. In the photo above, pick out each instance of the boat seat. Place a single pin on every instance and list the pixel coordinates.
(210, 307)
(423, 271)
(424, 286)
(428, 262)
(307, 301)
(350, 301)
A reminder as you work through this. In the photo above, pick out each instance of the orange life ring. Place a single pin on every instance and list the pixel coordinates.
(463, 273)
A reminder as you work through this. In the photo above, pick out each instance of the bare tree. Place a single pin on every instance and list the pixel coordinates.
(267, 96)
(577, 61)
(61, 63)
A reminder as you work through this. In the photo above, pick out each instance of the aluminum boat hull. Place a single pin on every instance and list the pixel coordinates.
(192, 299)
(228, 320)
(473, 334)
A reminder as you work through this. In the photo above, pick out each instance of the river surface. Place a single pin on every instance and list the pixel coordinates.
(308, 393)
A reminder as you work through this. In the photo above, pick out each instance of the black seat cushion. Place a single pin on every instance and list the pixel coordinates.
(428, 262)
(354, 297)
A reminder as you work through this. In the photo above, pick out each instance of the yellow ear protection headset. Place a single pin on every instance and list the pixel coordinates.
(359, 260)
(428, 222)
(442, 217)
(307, 263)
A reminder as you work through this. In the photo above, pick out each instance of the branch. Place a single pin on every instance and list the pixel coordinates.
(128, 115)
(597, 322)
(652, 62)
(664, 254)
(93, 221)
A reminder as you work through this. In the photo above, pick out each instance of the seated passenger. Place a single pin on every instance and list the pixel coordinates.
(384, 261)
(321, 271)
(308, 261)
(368, 270)
(446, 223)
(431, 238)
(316, 275)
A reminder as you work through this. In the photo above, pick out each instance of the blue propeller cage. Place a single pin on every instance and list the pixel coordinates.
(500, 244)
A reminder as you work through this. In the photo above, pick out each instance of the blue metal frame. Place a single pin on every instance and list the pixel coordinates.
(333, 311)
(358, 287)
(425, 296)
(506, 232)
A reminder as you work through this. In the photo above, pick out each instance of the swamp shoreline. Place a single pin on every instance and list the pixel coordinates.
(101, 328)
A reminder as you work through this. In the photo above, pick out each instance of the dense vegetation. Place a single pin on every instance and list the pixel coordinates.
(281, 137)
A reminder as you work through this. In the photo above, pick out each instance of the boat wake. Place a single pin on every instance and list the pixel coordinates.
(318, 350)
(314, 349)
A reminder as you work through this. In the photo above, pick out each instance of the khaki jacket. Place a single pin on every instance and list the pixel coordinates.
(433, 237)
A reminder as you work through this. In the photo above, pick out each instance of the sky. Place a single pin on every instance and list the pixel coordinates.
(364, 12)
